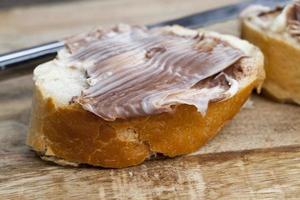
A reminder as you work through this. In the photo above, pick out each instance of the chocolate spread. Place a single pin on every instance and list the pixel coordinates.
(293, 20)
(133, 71)
(277, 20)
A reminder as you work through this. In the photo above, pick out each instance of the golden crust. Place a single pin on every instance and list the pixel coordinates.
(282, 63)
(75, 135)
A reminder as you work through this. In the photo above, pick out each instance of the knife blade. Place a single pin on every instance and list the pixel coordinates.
(42, 53)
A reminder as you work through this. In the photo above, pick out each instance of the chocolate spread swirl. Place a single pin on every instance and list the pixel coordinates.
(293, 20)
(133, 71)
(279, 20)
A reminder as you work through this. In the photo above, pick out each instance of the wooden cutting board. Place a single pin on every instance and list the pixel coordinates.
(256, 156)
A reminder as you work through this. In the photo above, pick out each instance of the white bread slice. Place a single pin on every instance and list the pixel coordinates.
(267, 29)
(68, 134)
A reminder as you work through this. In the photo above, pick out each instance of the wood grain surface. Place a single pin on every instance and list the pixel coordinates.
(31, 25)
(256, 156)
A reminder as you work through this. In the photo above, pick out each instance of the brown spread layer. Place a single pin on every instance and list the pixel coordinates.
(293, 19)
(133, 71)
(290, 14)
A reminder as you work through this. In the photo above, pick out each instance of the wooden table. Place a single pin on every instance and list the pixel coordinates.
(257, 156)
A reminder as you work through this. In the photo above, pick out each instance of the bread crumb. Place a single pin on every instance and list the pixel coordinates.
(248, 104)
(130, 174)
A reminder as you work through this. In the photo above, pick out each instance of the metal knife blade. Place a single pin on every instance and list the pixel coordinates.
(38, 54)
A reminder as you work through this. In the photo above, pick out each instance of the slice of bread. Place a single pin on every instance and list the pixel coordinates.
(70, 135)
(271, 31)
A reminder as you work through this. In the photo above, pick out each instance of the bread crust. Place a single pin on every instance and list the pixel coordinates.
(282, 60)
(78, 136)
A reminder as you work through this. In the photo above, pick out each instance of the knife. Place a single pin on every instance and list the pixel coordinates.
(33, 56)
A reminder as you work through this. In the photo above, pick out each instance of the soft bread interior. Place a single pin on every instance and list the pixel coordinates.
(59, 82)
